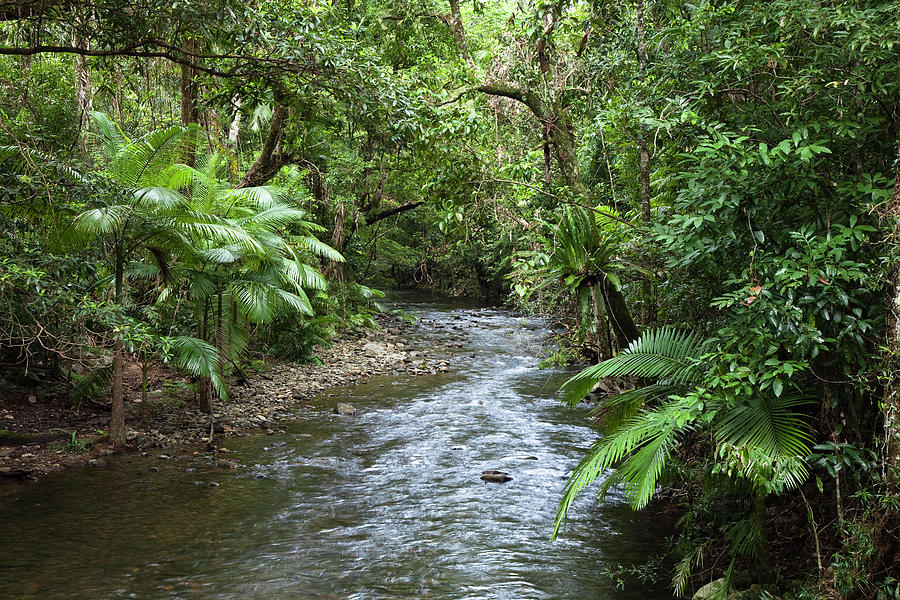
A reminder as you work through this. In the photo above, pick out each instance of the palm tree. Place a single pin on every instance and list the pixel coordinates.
(144, 216)
(759, 437)
(249, 282)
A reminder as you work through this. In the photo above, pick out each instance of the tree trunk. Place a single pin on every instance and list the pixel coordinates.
(234, 130)
(646, 290)
(887, 530)
(117, 98)
(117, 409)
(459, 34)
(220, 338)
(84, 98)
(598, 334)
(270, 160)
(646, 287)
(617, 311)
(189, 112)
(203, 392)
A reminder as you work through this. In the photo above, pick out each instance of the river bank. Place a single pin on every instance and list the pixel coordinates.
(38, 439)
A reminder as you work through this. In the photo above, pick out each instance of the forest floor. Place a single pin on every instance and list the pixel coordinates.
(40, 435)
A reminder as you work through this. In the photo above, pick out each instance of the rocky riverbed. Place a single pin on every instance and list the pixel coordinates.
(39, 439)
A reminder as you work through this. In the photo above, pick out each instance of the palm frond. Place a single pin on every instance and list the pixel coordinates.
(96, 221)
(216, 230)
(296, 301)
(769, 424)
(158, 199)
(110, 136)
(255, 299)
(614, 410)
(319, 248)
(141, 270)
(641, 444)
(261, 197)
(177, 177)
(219, 256)
(200, 358)
(95, 384)
(274, 217)
(200, 285)
(140, 163)
(302, 275)
(22, 157)
(666, 353)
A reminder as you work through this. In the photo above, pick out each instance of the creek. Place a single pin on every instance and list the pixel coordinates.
(385, 504)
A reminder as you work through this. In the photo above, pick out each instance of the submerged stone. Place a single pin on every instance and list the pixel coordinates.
(495, 476)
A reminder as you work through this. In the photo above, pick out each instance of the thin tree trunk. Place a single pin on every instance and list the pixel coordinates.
(887, 531)
(117, 409)
(646, 290)
(203, 393)
(234, 130)
(617, 310)
(189, 112)
(270, 160)
(84, 98)
(598, 335)
(117, 98)
(886, 540)
(220, 337)
(459, 34)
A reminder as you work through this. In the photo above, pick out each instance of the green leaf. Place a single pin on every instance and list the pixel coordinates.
(777, 387)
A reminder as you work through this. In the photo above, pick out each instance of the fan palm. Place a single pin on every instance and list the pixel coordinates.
(759, 437)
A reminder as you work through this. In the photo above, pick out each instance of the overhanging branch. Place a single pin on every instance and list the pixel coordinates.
(393, 211)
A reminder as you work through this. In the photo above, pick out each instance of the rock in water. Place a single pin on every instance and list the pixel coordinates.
(495, 476)
(344, 409)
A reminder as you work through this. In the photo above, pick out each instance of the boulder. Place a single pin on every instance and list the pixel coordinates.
(373, 348)
(344, 409)
(714, 590)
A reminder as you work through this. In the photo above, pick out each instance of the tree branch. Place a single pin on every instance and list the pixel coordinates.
(269, 161)
(514, 91)
(393, 211)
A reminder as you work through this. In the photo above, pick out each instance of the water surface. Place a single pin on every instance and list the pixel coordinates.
(386, 504)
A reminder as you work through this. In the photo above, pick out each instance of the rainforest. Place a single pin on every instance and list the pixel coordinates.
(450, 299)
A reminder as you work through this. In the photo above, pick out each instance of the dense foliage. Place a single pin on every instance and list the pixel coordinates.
(705, 193)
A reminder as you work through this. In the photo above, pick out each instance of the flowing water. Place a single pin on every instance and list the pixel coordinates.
(386, 504)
